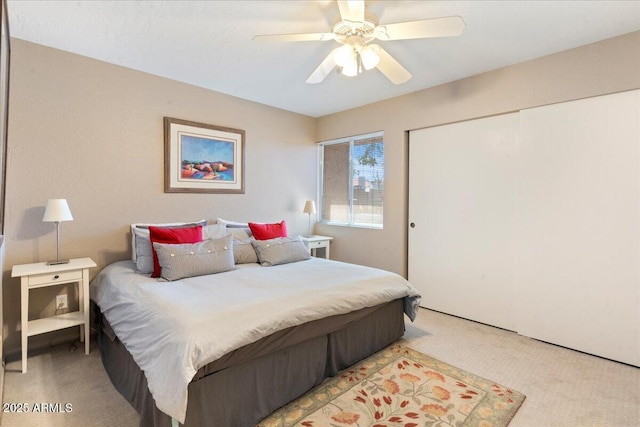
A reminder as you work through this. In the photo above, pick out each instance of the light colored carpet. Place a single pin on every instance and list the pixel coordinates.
(61, 376)
(564, 388)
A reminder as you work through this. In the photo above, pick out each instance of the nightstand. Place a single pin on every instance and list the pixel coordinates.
(40, 275)
(315, 242)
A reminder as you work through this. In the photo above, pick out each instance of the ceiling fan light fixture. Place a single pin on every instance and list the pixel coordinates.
(356, 28)
(369, 57)
(350, 69)
(343, 55)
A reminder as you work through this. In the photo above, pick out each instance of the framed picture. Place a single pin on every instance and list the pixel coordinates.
(5, 51)
(201, 158)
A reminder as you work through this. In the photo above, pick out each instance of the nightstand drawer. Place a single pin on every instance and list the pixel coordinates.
(52, 278)
(314, 245)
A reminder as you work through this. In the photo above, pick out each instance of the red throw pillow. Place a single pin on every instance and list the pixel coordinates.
(268, 231)
(174, 236)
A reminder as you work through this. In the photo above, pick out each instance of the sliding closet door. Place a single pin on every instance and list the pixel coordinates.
(579, 214)
(531, 221)
(461, 216)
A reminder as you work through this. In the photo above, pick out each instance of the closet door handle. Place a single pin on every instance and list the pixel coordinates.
(412, 225)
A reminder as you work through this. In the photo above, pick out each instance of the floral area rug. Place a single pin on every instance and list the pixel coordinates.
(399, 386)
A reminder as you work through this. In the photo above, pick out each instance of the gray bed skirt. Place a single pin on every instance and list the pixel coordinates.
(248, 384)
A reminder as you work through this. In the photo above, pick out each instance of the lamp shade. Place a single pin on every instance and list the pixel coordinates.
(57, 210)
(309, 207)
(343, 55)
(350, 69)
(369, 57)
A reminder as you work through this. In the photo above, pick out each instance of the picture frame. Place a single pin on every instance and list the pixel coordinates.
(5, 58)
(203, 158)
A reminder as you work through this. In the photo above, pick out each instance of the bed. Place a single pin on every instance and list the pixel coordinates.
(229, 348)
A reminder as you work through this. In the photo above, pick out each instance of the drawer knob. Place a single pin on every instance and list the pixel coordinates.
(57, 276)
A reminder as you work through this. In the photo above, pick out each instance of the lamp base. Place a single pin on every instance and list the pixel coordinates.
(58, 262)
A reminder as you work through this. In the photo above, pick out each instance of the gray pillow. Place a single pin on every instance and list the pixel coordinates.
(239, 233)
(281, 250)
(141, 252)
(243, 252)
(210, 256)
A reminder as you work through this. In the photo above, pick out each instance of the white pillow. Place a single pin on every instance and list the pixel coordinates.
(240, 230)
(214, 231)
(232, 224)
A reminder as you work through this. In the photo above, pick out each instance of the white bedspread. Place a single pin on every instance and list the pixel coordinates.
(174, 328)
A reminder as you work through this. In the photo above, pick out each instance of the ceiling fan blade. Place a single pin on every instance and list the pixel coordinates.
(390, 67)
(323, 70)
(351, 10)
(426, 28)
(302, 37)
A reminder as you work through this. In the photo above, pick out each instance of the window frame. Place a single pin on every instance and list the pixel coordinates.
(320, 179)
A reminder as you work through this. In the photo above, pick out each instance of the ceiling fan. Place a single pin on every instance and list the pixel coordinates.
(355, 31)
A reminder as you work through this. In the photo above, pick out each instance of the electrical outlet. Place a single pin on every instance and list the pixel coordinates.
(61, 302)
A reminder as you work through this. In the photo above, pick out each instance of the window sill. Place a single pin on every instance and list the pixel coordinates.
(345, 224)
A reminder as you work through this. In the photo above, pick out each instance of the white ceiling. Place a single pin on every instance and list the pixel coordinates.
(208, 43)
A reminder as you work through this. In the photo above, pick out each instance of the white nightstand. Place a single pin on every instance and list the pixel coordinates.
(39, 275)
(315, 242)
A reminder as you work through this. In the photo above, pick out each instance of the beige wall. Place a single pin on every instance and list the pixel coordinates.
(92, 133)
(606, 67)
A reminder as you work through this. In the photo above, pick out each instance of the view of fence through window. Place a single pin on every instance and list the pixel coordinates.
(352, 181)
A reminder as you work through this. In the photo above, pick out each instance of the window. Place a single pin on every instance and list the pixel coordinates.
(351, 182)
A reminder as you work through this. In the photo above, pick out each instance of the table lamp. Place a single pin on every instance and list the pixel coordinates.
(57, 211)
(309, 208)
